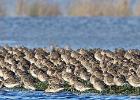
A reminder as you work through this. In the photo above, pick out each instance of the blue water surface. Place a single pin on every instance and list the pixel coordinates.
(6, 94)
(75, 32)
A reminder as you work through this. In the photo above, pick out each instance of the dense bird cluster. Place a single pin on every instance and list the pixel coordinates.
(80, 69)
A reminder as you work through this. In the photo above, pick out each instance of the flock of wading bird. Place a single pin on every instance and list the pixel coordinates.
(81, 69)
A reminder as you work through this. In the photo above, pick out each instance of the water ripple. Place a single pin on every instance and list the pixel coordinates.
(40, 95)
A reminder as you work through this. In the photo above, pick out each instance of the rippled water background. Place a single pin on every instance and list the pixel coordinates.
(75, 32)
(86, 32)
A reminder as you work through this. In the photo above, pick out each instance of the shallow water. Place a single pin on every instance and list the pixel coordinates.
(83, 32)
(40, 95)
(86, 32)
